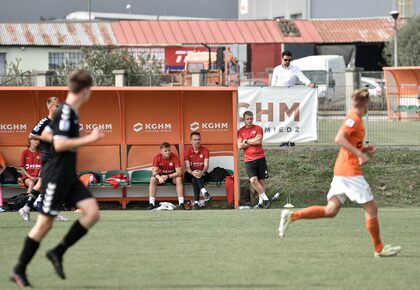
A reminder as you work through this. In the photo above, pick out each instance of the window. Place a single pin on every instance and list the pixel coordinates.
(2, 64)
(296, 16)
(57, 59)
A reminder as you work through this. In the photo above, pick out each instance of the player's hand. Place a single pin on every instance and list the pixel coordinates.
(371, 150)
(312, 85)
(165, 177)
(161, 180)
(363, 158)
(96, 135)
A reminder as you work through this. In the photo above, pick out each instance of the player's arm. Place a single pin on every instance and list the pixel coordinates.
(242, 144)
(274, 78)
(369, 150)
(342, 140)
(188, 167)
(176, 174)
(46, 136)
(155, 174)
(66, 144)
(206, 165)
(257, 140)
(23, 170)
(304, 79)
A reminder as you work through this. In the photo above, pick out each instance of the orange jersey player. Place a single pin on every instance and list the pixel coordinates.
(348, 181)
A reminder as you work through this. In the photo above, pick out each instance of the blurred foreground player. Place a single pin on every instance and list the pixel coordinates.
(60, 182)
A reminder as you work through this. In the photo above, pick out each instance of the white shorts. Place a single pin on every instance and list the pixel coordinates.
(354, 188)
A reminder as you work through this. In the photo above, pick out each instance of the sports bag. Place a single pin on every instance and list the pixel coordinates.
(9, 176)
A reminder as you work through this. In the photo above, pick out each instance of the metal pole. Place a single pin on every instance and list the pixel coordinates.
(395, 44)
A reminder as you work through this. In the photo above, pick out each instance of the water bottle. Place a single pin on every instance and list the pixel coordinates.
(276, 196)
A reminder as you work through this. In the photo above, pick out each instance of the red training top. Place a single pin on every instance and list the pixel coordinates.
(253, 152)
(196, 159)
(31, 161)
(166, 166)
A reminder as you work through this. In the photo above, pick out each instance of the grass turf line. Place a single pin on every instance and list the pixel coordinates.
(223, 249)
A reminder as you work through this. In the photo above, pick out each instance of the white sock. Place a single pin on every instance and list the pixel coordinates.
(152, 200)
(264, 196)
(203, 191)
(260, 200)
(196, 202)
(181, 200)
(26, 208)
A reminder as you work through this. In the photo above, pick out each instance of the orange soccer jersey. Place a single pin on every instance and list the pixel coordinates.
(347, 164)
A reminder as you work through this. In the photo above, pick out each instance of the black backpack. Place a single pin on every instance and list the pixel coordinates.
(9, 176)
(17, 202)
(218, 174)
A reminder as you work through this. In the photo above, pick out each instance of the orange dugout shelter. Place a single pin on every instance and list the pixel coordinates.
(403, 92)
(136, 120)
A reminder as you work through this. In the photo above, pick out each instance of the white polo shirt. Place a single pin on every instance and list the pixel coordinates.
(287, 77)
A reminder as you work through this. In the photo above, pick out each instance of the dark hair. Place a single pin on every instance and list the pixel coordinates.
(195, 134)
(286, 52)
(248, 113)
(165, 145)
(79, 80)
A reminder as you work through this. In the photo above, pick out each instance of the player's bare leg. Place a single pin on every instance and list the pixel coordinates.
(372, 225)
(259, 186)
(312, 212)
(179, 191)
(152, 192)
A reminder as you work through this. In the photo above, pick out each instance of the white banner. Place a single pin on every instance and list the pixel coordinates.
(285, 114)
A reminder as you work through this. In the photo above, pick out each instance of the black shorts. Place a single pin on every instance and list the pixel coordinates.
(169, 180)
(257, 168)
(59, 190)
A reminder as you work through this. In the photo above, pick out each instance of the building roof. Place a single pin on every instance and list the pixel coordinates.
(354, 30)
(57, 34)
(181, 32)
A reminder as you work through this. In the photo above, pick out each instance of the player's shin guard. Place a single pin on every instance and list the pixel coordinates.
(76, 232)
(372, 225)
(312, 212)
(30, 247)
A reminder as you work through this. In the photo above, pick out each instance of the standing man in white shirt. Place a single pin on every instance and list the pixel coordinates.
(286, 74)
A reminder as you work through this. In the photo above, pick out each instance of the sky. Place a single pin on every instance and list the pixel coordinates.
(32, 10)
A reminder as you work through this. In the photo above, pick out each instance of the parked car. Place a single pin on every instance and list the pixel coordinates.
(375, 86)
(328, 72)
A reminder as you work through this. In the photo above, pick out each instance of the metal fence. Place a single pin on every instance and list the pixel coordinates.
(391, 121)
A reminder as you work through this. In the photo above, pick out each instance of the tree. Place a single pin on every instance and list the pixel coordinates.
(16, 77)
(408, 41)
(140, 70)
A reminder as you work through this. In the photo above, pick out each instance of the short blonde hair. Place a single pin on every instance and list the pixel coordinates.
(360, 97)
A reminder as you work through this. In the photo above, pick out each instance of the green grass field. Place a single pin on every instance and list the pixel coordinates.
(381, 131)
(223, 249)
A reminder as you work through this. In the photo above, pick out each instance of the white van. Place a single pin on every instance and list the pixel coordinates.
(328, 72)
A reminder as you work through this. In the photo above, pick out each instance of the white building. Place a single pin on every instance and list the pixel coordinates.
(315, 9)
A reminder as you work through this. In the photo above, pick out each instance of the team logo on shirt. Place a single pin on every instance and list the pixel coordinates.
(254, 132)
(201, 155)
(152, 127)
(171, 164)
(13, 128)
(349, 123)
(209, 126)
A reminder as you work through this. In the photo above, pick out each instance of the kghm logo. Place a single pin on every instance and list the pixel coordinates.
(209, 126)
(152, 127)
(13, 128)
(107, 128)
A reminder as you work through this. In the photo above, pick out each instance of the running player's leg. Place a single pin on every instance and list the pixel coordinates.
(30, 247)
(372, 225)
(312, 212)
(179, 190)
